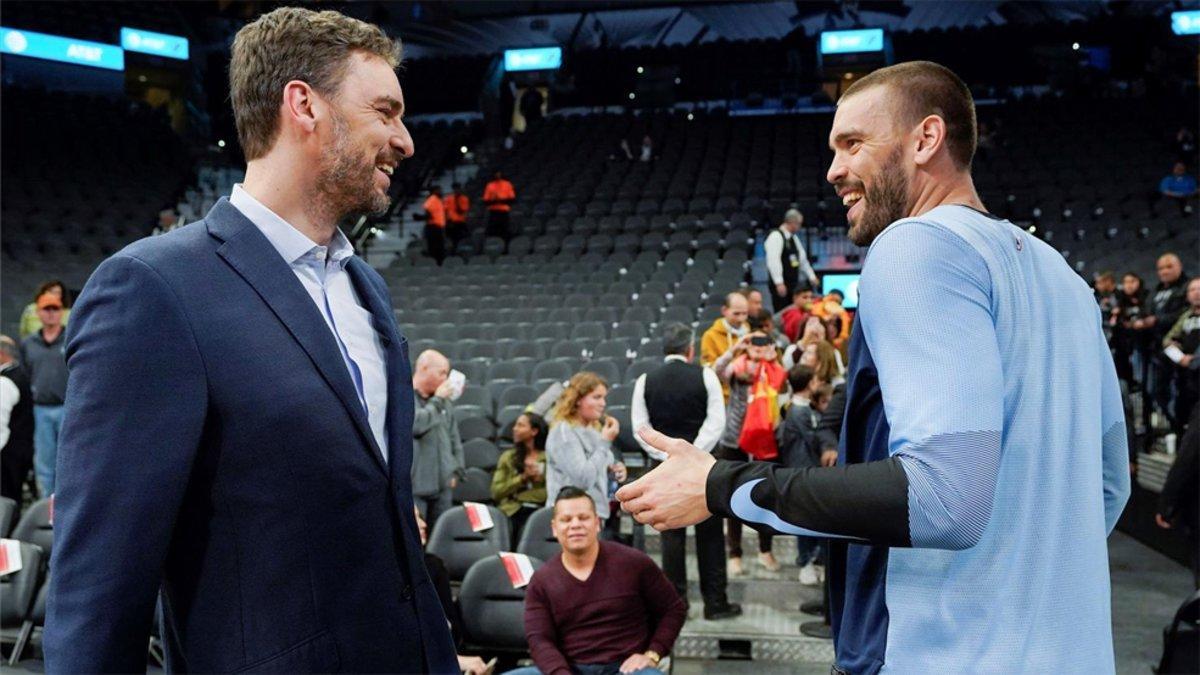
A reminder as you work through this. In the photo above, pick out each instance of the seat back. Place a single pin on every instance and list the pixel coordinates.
(34, 526)
(8, 511)
(475, 486)
(493, 611)
(481, 453)
(17, 590)
(537, 541)
(459, 547)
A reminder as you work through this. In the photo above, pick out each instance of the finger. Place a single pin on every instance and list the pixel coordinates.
(632, 491)
(639, 505)
(659, 441)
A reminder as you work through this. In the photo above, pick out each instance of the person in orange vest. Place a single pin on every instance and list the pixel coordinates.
(499, 196)
(435, 225)
(457, 205)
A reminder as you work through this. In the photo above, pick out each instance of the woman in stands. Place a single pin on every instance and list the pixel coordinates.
(519, 484)
(30, 323)
(1131, 335)
(579, 450)
(739, 367)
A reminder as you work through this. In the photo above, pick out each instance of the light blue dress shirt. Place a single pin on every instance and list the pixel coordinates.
(321, 270)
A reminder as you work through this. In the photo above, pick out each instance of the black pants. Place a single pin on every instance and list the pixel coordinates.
(517, 523)
(781, 302)
(456, 231)
(733, 529)
(498, 225)
(710, 554)
(435, 242)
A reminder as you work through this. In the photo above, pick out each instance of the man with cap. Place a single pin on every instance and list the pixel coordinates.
(43, 356)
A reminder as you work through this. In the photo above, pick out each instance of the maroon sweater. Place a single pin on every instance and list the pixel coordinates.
(625, 607)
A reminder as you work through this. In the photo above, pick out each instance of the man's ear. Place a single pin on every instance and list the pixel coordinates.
(300, 105)
(930, 137)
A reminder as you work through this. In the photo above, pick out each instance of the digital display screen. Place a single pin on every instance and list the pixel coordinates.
(846, 283)
(1186, 23)
(537, 58)
(59, 48)
(158, 44)
(852, 41)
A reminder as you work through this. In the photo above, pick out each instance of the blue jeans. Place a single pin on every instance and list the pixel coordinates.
(47, 423)
(588, 669)
(808, 549)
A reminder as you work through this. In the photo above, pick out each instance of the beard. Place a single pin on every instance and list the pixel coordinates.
(346, 183)
(886, 201)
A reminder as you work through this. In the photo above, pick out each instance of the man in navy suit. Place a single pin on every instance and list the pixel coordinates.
(238, 429)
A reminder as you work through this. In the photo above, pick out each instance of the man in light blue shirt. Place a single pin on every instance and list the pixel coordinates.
(983, 459)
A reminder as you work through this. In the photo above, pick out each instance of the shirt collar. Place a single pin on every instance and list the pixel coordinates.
(797, 399)
(286, 239)
(736, 332)
(676, 357)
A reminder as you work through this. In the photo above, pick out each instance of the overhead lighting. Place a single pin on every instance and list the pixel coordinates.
(220, 144)
(1075, 46)
(463, 149)
(641, 70)
(632, 96)
(678, 80)
(691, 117)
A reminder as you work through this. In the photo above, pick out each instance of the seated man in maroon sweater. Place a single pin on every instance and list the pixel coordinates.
(599, 608)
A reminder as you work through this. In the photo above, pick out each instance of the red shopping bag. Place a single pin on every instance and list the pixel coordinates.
(762, 412)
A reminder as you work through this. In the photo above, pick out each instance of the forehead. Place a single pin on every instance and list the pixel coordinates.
(572, 507)
(866, 114)
(369, 77)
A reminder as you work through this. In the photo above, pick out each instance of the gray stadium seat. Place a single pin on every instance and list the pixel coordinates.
(493, 611)
(34, 527)
(537, 541)
(459, 547)
(475, 486)
(8, 511)
(19, 589)
(476, 427)
(480, 453)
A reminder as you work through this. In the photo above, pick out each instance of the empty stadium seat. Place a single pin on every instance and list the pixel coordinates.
(537, 540)
(493, 611)
(475, 486)
(480, 453)
(453, 540)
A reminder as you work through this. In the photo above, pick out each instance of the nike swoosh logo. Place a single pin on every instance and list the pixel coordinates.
(743, 506)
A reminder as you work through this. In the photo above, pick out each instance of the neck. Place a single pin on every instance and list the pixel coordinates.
(50, 332)
(960, 190)
(290, 194)
(582, 561)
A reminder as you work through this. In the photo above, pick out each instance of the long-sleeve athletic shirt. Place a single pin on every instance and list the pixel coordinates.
(983, 460)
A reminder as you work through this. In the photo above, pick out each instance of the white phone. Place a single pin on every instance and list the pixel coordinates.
(458, 381)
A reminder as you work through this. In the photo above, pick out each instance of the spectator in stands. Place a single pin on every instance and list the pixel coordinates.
(835, 317)
(1185, 145)
(1167, 303)
(754, 300)
(499, 196)
(16, 422)
(519, 483)
(763, 322)
(814, 332)
(435, 225)
(685, 401)
(1179, 187)
(167, 221)
(725, 331)
(44, 355)
(1179, 501)
(579, 449)
(736, 368)
(457, 205)
(800, 448)
(439, 576)
(30, 323)
(437, 463)
(623, 152)
(598, 608)
(1184, 336)
(787, 260)
(1104, 287)
(795, 316)
(1131, 332)
(647, 152)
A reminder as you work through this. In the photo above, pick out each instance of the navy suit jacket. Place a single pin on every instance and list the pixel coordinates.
(214, 445)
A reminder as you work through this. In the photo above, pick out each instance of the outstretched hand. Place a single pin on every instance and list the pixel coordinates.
(673, 494)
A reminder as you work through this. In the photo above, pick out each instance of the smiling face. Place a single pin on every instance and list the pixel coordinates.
(576, 525)
(591, 405)
(364, 141)
(869, 163)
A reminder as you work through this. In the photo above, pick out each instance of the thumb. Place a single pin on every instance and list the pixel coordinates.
(658, 441)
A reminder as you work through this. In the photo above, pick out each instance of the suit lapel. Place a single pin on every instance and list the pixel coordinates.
(249, 253)
(399, 373)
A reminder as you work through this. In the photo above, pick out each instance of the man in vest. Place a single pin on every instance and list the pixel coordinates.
(786, 260)
(457, 205)
(499, 196)
(687, 400)
(16, 422)
(435, 225)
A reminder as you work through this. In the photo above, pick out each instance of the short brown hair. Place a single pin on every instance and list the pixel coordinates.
(288, 44)
(927, 88)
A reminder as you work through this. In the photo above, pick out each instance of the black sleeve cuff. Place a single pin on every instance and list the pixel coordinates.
(862, 501)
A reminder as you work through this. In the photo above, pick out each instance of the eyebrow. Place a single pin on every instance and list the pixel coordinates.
(849, 133)
(395, 106)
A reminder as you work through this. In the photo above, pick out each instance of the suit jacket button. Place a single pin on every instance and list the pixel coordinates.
(406, 593)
